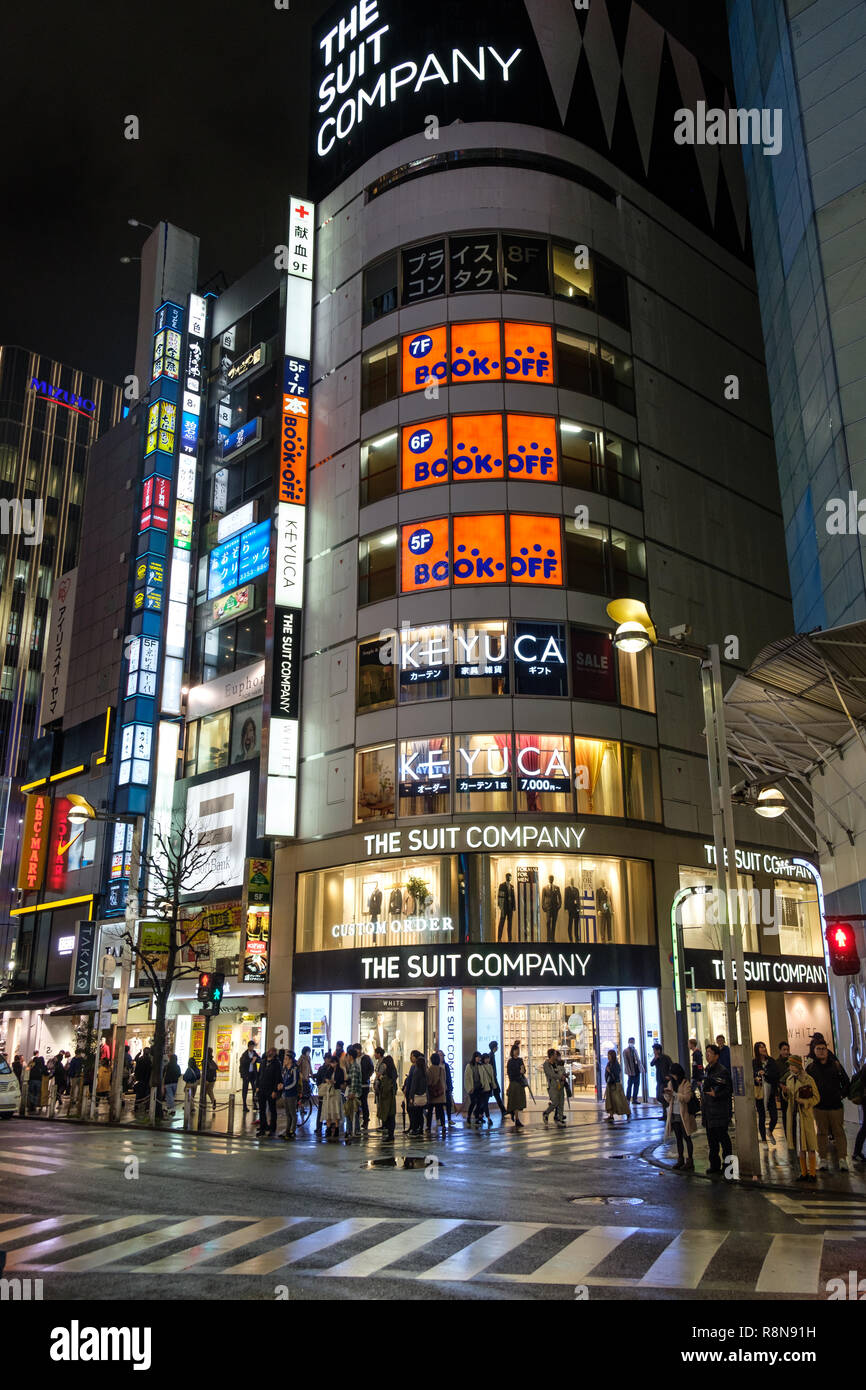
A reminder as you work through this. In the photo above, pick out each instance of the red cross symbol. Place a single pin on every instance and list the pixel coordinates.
(302, 211)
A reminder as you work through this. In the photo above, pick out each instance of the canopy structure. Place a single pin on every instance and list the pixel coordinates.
(800, 701)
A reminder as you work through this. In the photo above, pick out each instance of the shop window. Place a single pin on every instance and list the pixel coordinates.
(586, 557)
(628, 566)
(798, 919)
(190, 752)
(473, 263)
(540, 659)
(246, 731)
(640, 925)
(598, 777)
(425, 776)
(377, 567)
(423, 271)
(374, 783)
(378, 375)
(568, 281)
(611, 291)
(567, 899)
(397, 902)
(524, 264)
(378, 468)
(622, 470)
(483, 778)
(542, 771)
(425, 670)
(250, 639)
(480, 659)
(213, 741)
(700, 914)
(593, 673)
(643, 797)
(636, 683)
(380, 289)
(617, 377)
(375, 674)
(580, 456)
(577, 362)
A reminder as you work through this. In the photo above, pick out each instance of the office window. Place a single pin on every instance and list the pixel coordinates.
(580, 455)
(598, 777)
(250, 640)
(374, 783)
(628, 563)
(568, 281)
(542, 771)
(376, 660)
(636, 684)
(622, 470)
(380, 289)
(378, 375)
(524, 264)
(377, 567)
(643, 796)
(213, 741)
(480, 658)
(425, 776)
(577, 362)
(586, 557)
(617, 377)
(379, 467)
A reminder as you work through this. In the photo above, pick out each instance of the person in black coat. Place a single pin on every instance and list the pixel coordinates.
(661, 1064)
(270, 1086)
(367, 1069)
(249, 1061)
(141, 1076)
(716, 1099)
(497, 1091)
(765, 1074)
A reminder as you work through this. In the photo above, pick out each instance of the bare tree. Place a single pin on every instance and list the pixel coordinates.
(172, 878)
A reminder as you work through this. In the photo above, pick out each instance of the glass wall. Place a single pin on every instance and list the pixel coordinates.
(699, 912)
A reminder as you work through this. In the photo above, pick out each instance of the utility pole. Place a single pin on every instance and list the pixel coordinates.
(130, 924)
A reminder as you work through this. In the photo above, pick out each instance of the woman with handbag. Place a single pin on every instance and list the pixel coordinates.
(436, 1092)
(515, 1096)
(473, 1088)
(416, 1093)
(802, 1096)
(615, 1102)
(765, 1076)
(681, 1111)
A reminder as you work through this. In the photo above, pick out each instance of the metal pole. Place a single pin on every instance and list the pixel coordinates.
(115, 1108)
(202, 1104)
(748, 1151)
(718, 841)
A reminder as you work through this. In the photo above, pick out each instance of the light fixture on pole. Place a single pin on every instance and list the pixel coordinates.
(79, 813)
(635, 631)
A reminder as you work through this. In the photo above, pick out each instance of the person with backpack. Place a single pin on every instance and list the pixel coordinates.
(802, 1096)
(833, 1085)
(681, 1121)
(436, 1092)
(291, 1084)
(857, 1096)
(191, 1077)
(716, 1101)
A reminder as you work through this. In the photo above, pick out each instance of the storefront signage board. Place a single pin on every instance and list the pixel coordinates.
(479, 967)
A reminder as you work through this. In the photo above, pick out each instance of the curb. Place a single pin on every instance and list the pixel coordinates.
(749, 1184)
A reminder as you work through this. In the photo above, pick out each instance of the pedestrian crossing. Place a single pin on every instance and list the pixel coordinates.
(844, 1214)
(33, 1159)
(434, 1250)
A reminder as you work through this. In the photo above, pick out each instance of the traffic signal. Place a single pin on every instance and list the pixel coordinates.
(210, 989)
(842, 947)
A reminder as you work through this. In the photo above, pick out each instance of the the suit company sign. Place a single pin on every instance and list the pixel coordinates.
(471, 966)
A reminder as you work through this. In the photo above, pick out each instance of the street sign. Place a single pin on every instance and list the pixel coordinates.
(695, 1008)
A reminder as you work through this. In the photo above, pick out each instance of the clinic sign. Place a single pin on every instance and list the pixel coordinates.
(446, 966)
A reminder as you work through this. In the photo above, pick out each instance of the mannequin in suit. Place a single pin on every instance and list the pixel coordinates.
(382, 1034)
(374, 902)
(604, 907)
(409, 908)
(571, 903)
(506, 902)
(551, 902)
(395, 902)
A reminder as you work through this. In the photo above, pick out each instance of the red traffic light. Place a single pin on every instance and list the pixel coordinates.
(842, 947)
(204, 979)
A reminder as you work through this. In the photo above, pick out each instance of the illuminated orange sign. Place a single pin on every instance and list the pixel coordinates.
(34, 844)
(478, 450)
(294, 442)
(532, 447)
(529, 352)
(479, 550)
(425, 358)
(476, 351)
(425, 563)
(536, 550)
(425, 454)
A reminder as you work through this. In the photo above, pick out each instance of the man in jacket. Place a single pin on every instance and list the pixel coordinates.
(270, 1086)
(76, 1066)
(554, 1072)
(832, 1081)
(661, 1065)
(497, 1092)
(551, 902)
(724, 1052)
(716, 1108)
(366, 1064)
(505, 899)
(247, 1067)
(291, 1082)
(633, 1067)
(352, 1107)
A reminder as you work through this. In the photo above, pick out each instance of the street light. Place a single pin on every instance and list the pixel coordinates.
(635, 631)
(80, 813)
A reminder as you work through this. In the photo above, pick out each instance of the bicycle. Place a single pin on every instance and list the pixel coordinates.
(306, 1098)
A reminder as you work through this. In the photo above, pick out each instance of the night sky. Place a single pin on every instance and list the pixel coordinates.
(221, 91)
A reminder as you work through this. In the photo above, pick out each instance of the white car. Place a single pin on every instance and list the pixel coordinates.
(10, 1091)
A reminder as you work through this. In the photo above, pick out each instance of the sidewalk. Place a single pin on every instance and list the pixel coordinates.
(780, 1168)
(137, 1117)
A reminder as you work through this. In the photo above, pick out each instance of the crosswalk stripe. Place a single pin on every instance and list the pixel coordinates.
(578, 1257)
(139, 1244)
(683, 1264)
(307, 1245)
(28, 1253)
(791, 1265)
(48, 1223)
(474, 1258)
(387, 1251)
(28, 1172)
(191, 1259)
